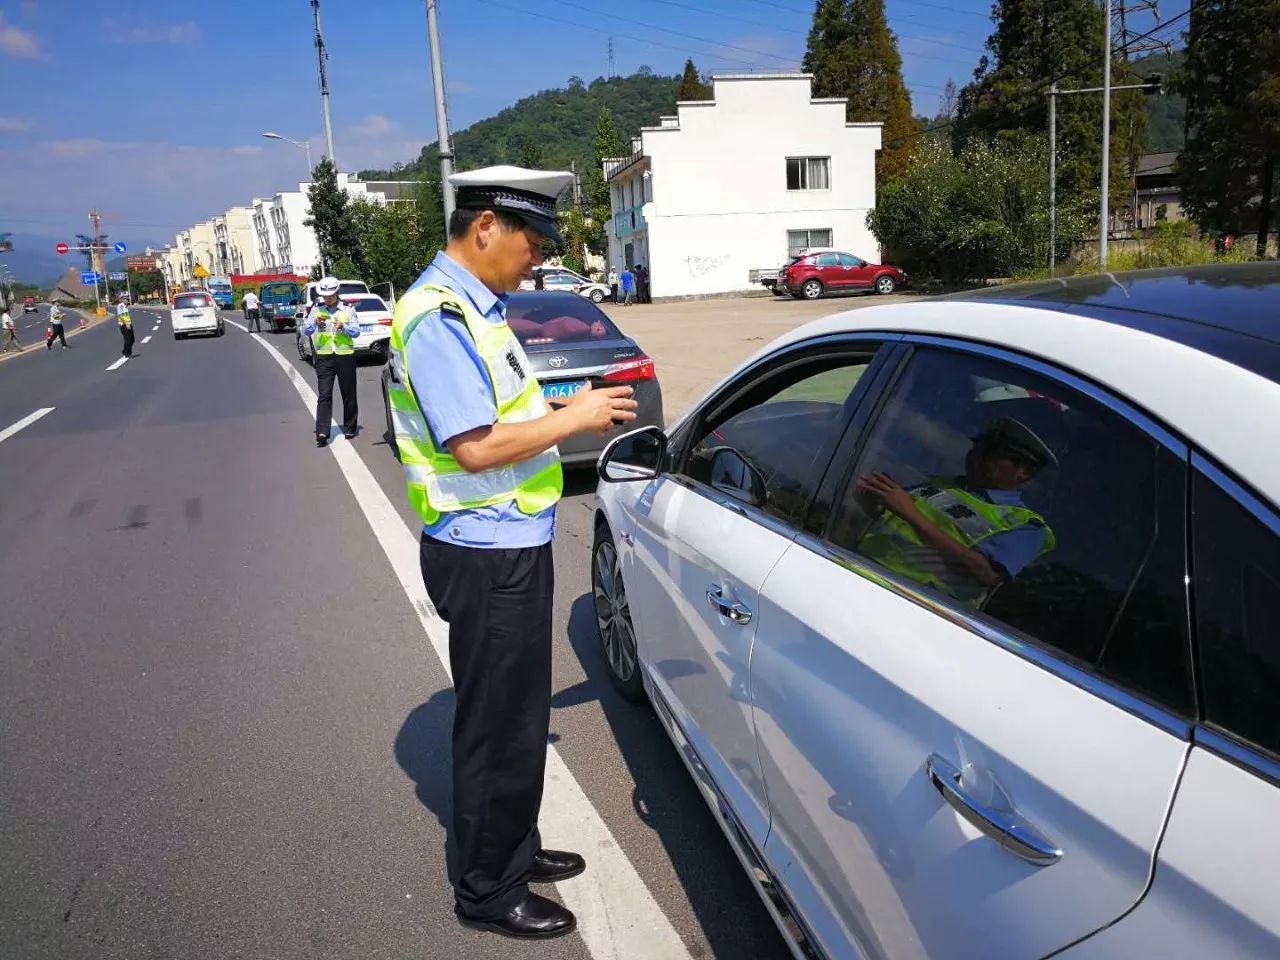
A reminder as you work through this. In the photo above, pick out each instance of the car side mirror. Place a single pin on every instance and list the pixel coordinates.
(732, 473)
(638, 455)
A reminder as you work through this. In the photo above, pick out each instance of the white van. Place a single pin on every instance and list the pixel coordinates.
(195, 312)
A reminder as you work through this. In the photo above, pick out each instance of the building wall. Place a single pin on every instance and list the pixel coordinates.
(264, 235)
(240, 236)
(715, 205)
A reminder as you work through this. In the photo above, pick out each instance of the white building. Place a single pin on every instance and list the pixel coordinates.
(739, 182)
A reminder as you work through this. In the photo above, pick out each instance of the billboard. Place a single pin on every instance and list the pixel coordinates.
(144, 264)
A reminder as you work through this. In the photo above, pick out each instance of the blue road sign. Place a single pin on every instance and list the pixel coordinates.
(119, 248)
(89, 278)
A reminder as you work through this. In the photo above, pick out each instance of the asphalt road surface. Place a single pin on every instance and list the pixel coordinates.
(225, 721)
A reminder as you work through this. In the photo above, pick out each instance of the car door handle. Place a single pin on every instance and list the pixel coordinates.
(1001, 823)
(735, 611)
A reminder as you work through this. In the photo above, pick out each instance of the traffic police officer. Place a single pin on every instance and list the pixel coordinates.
(478, 444)
(332, 327)
(125, 320)
(963, 535)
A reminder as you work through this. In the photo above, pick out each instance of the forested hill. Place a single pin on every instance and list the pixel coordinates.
(552, 127)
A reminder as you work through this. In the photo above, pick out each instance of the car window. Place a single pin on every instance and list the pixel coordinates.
(770, 446)
(368, 305)
(557, 318)
(1236, 564)
(826, 260)
(1020, 498)
(848, 260)
(190, 301)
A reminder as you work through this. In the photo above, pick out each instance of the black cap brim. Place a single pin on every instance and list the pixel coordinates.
(543, 225)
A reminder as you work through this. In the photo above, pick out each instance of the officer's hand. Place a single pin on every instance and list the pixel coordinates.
(598, 410)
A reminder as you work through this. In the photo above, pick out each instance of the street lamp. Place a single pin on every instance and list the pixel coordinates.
(305, 146)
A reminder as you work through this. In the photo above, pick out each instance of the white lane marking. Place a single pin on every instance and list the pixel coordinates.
(147, 338)
(119, 363)
(238, 326)
(26, 421)
(618, 917)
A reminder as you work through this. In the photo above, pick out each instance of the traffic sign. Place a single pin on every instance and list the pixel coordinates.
(119, 247)
(90, 277)
(62, 248)
(200, 271)
(117, 275)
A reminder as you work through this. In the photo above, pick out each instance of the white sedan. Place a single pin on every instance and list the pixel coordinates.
(965, 618)
(562, 278)
(375, 327)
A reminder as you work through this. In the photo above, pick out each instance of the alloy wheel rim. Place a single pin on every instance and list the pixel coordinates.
(613, 615)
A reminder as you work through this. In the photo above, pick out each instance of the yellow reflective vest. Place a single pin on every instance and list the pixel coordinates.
(437, 483)
(334, 338)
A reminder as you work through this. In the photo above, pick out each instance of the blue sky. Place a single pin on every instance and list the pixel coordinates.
(153, 111)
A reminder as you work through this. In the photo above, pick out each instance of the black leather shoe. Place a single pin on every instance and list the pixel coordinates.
(552, 866)
(534, 918)
(321, 440)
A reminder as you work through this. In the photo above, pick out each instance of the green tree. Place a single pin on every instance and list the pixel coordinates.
(1232, 85)
(853, 54)
(691, 85)
(429, 208)
(391, 243)
(532, 155)
(974, 215)
(607, 142)
(329, 216)
(1034, 43)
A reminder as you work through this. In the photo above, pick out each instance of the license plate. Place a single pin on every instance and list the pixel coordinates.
(562, 391)
(366, 327)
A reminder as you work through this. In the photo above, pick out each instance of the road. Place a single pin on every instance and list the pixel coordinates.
(225, 720)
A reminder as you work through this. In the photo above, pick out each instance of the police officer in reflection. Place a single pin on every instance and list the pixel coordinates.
(478, 445)
(963, 535)
(333, 327)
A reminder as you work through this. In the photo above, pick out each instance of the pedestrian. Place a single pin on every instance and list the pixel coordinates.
(642, 284)
(10, 333)
(252, 312)
(613, 283)
(332, 326)
(125, 321)
(57, 330)
(478, 444)
(539, 282)
(628, 287)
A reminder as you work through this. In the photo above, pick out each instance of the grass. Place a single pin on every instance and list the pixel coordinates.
(830, 386)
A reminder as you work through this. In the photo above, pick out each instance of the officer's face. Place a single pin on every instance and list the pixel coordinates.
(992, 468)
(511, 253)
(331, 301)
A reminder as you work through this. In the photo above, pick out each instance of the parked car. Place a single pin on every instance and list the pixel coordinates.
(571, 342)
(965, 618)
(221, 290)
(375, 328)
(195, 311)
(817, 272)
(562, 278)
(279, 301)
(28, 304)
(309, 296)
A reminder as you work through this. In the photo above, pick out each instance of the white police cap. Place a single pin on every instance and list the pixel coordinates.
(530, 195)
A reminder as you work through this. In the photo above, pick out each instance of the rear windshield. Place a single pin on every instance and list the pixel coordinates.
(346, 286)
(547, 318)
(190, 301)
(368, 306)
(280, 292)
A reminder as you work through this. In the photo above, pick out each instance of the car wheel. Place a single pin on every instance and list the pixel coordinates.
(302, 354)
(177, 335)
(613, 617)
(391, 427)
(811, 290)
(597, 296)
(779, 291)
(885, 284)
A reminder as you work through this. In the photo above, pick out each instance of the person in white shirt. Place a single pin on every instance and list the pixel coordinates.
(10, 334)
(56, 330)
(252, 314)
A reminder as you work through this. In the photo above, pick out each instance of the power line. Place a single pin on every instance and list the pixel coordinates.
(914, 3)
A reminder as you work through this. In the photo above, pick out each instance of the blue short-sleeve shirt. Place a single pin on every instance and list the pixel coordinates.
(456, 395)
(1012, 549)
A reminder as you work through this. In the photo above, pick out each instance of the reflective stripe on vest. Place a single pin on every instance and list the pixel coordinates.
(437, 483)
(963, 516)
(333, 339)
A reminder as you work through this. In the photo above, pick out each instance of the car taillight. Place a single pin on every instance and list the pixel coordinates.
(630, 370)
(386, 323)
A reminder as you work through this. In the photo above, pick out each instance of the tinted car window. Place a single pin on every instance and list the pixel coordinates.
(554, 318)
(1017, 497)
(1236, 564)
(826, 260)
(369, 306)
(190, 301)
(849, 260)
(781, 433)
(280, 292)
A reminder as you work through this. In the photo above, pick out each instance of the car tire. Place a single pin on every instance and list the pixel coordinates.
(597, 296)
(811, 290)
(391, 429)
(886, 284)
(302, 354)
(779, 291)
(614, 629)
(177, 335)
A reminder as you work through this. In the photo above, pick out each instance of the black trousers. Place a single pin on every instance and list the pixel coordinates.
(498, 606)
(59, 333)
(344, 368)
(127, 333)
(253, 318)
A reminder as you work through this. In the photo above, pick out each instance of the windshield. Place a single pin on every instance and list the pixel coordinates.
(219, 285)
(190, 301)
(556, 318)
(280, 292)
(345, 287)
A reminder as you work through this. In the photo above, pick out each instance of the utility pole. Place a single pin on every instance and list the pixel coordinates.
(1053, 176)
(1104, 214)
(611, 65)
(99, 259)
(322, 55)
(442, 116)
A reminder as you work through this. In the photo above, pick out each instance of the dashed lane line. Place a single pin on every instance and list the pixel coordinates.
(147, 338)
(25, 422)
(618, 918)
(118, 364)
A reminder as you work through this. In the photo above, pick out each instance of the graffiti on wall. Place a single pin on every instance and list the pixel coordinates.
(702, 266)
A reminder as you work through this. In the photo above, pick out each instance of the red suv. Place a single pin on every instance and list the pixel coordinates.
(816, 272)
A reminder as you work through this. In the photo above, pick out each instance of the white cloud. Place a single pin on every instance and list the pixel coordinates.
(18, 42)
(373, 127)
(75, 147)
(168, 33)
(246, 151)
(14, 124)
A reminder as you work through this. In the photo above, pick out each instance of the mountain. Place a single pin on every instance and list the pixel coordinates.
(33, 259)
(1165, 112)
(557, 124)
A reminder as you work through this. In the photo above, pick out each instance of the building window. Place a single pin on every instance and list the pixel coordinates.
(801, 240)
(808, 173)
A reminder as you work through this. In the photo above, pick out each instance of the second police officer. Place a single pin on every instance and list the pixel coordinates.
(333, 327)
(478, 445)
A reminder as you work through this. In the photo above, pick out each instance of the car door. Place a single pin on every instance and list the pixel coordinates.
(705, 536)
(858, 272)
(1214, 890)
(830, 272)
(971, 753)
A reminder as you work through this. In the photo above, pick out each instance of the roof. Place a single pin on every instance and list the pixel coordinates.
(1156, 163)
(1217, 403)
